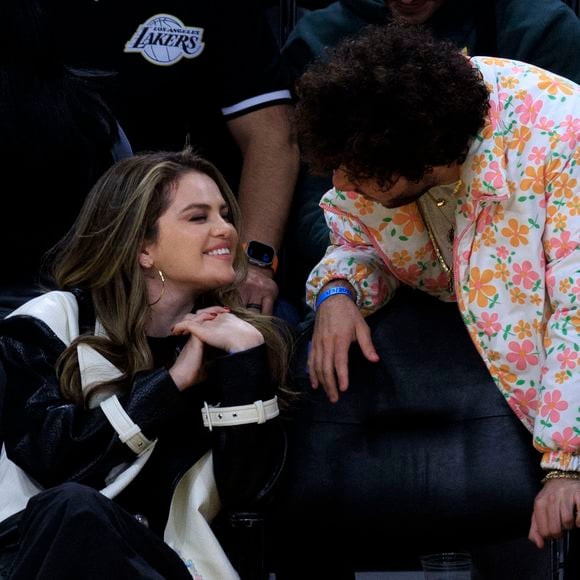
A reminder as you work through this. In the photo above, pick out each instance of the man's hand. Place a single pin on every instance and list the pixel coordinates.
(338, 324)
(259, 288)
(556, 509)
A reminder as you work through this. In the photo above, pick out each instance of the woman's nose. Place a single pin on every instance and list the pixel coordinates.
(222, 227)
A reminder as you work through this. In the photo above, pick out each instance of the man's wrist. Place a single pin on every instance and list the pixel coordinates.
(268, 272)
(334, 289)
(559, 474)
(261, 255)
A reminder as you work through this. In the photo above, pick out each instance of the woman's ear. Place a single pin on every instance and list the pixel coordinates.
(145, 258)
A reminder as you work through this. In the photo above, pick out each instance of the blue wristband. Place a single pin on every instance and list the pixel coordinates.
(331, 292)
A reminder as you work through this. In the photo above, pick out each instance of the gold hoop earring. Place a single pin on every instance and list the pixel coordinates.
(162, 288)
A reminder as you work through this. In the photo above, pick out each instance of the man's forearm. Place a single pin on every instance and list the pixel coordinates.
(269, 172)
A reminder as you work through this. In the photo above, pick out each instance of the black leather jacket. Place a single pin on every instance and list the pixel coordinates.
(56, 441)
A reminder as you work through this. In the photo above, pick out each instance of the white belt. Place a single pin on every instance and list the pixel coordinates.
(257, 412)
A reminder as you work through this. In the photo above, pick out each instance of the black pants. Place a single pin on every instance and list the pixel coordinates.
(73, 531)
(421, 454)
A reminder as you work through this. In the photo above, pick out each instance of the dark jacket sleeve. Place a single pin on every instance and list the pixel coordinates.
(248, 459)
(54, 440)
(311, 232)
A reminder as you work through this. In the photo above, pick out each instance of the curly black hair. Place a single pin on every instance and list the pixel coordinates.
(391, 101)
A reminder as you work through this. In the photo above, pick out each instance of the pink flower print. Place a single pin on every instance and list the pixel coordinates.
(522, 354)
(545, 124)
(351, 194)
(502, 98)
(379, 289)
(571, 123)
(526, 400)
(563, 245)
(494, 114)
(494, 176)
(568, 359)
(335, 228)
(567, 440)
(485, 219)
(529, 109)
(572, 137)
(525, 275)
(503, 252)
(576, 290)
(537, 155)
(436, 284)
(552, 405)
(550, 282)
(489, 323)
(412, 273)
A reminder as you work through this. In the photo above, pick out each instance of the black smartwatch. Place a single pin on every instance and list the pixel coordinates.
(261, 255)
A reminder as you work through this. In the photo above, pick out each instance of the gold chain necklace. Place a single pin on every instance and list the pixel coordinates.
(440, 203)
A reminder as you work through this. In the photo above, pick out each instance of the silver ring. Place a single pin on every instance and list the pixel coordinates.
(254, 306)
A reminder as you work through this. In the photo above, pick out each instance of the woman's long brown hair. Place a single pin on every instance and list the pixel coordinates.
(100, 255)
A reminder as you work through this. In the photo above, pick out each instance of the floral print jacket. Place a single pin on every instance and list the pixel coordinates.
(516, 253)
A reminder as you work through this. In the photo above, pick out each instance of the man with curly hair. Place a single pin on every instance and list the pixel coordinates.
(459, 177)
(541, 32)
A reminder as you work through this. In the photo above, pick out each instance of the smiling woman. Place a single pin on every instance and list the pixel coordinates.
(126, 363)
(195, 241)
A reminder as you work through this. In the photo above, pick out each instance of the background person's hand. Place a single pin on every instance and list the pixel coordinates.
(556, 509)
(259, 288)
(338, 324)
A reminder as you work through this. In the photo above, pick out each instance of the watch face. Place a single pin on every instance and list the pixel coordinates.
(260, 252)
